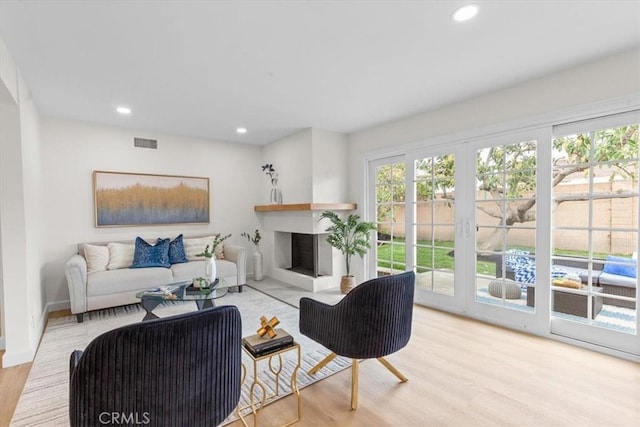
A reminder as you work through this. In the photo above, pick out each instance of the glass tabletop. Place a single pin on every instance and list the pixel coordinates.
(184, 291)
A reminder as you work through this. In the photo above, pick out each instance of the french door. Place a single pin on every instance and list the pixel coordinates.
(506, 216)
(595, 231)
(523, 229)
(415, 211)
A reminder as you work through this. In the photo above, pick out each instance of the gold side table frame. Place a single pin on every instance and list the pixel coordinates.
(276, 369)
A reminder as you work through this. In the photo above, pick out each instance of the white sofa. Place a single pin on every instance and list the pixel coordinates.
(118, 284)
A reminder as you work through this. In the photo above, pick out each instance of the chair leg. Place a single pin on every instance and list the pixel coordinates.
(354, 384)
(393, 369)
(322, 363)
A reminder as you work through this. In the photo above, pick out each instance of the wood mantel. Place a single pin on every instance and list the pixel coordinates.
(307, 207)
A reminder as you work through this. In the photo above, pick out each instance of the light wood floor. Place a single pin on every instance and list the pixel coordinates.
(461, 373)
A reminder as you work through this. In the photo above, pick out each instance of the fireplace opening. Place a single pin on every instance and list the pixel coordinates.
(304, 254)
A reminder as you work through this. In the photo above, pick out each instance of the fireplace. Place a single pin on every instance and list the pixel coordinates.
(304, 254)
(300, 254)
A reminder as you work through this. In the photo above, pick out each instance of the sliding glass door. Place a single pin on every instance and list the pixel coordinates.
(505, 218)
(536, 229)
(595, 230)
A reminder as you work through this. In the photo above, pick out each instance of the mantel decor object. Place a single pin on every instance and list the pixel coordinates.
(275, 197)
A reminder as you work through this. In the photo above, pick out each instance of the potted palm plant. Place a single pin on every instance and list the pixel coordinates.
(350, 237)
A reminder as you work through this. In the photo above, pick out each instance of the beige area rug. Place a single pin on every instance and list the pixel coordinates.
(44, 400)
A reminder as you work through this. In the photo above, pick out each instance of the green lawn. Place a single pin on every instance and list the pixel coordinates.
(427, 258)
(438, 257)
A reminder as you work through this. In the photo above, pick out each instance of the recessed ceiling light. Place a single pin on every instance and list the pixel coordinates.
(465, 13)
(241, 130)
(124, 110)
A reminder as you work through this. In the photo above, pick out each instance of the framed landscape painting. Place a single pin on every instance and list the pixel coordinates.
(124, 199)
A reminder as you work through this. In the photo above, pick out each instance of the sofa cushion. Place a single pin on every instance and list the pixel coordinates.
(127, 280)
(192, 269)
(176, 251)
(147, 255)
(97, 257)
(194, 246)
(120, 255)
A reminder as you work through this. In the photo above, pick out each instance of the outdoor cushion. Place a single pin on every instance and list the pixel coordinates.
(624, 267)
(617, 280)
(511, 289)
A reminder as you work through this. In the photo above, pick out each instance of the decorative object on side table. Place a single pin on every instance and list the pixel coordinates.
(261, 345)
(267, 328)
(257, 255)
(351, 237)
(211, 272)
(275, 197)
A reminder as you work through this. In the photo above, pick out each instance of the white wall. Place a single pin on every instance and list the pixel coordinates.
(330, 173)
(613, 77)
(291, 158)
(21, 215)
(73, 150)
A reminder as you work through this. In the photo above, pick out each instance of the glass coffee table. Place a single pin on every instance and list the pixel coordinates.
(181, 291)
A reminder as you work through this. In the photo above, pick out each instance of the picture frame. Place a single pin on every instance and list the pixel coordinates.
(132, 199)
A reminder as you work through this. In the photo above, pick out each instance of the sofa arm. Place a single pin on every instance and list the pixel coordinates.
(76, 272)
(238, 255)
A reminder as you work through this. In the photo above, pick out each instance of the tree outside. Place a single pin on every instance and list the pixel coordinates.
(511, 198)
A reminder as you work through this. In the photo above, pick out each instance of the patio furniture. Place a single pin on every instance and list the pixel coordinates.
(568, 302)
(613, 284)
(506, 288)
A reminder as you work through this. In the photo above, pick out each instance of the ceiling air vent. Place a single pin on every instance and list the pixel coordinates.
(145, 143)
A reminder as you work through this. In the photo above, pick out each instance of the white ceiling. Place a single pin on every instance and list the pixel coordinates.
(202, 68)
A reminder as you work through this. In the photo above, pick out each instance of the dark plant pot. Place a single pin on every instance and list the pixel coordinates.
(347, 283)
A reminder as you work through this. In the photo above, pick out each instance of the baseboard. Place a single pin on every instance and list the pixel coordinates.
(13, 358)
(1, 343)
(58, 306)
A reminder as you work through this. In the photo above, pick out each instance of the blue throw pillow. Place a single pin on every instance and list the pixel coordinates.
(627, 267)
(146, 255)
(176, 251)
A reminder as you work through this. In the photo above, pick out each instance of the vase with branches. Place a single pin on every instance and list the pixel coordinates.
(211, 270)
(258, 273)
(275, 197)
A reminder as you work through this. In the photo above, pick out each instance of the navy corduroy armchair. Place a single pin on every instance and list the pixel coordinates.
(371, 321)
(182, 370)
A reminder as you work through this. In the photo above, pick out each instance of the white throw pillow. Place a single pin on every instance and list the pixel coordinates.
(196, 246)
(220, 251)
(120, 255)
(97, 257)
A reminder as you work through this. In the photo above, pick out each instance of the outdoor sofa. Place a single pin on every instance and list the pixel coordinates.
(614, 279)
